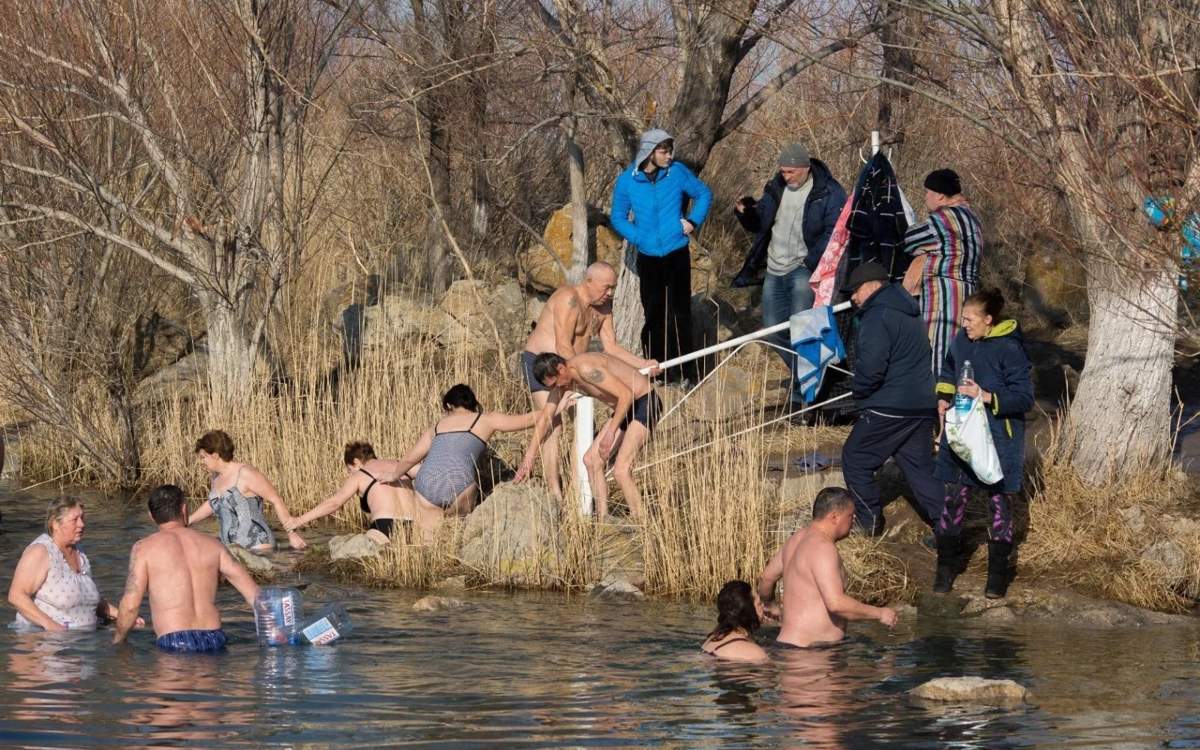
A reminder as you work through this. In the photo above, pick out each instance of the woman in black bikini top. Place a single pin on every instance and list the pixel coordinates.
(378, 501)
(739, 613)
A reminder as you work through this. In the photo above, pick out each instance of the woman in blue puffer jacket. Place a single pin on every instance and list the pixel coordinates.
(996, 351)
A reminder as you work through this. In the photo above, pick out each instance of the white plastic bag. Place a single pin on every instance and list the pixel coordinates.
(970, 437)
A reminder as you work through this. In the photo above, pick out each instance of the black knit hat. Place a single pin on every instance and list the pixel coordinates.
(944, 181)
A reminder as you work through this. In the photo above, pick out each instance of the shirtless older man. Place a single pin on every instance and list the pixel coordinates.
(635, 411)
(572, 317)
(815, 604)
(180, 567)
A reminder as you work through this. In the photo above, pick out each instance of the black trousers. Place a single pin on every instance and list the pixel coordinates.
(874, 439)
(666, 290)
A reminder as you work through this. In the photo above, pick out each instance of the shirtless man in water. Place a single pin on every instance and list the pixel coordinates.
(572, 317)
(181, 568)
(815, 604)
(635, 411)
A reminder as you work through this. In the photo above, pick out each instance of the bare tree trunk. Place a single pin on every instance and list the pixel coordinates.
(1121, 411)
(579, 213)
(231, 356)
(628, 316)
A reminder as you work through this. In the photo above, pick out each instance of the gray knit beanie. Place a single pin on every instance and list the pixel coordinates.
(795, 155)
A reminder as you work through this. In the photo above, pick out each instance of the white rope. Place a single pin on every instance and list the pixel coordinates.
(712, 372)
(741, 432)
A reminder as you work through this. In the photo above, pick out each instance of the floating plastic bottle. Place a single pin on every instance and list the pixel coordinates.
(277, 615)
(962, 402)
(332, 623)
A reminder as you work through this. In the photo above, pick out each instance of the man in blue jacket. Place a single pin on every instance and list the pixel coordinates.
(894, 391)
(792, 223)
(648, 210)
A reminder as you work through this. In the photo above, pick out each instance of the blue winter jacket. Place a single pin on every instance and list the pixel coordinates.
(657, 205)
(892, 354)
(1001, 368)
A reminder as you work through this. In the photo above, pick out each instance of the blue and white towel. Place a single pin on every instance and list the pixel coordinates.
(817, 344)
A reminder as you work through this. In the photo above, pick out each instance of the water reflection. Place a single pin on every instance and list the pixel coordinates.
(46, 671)
(183, 697)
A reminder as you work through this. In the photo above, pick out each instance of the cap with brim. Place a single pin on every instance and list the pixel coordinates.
(871, 271)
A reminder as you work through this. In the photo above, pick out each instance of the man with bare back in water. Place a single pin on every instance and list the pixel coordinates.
(181, 569)
(815, 604)
(572, 317)
(635, 411)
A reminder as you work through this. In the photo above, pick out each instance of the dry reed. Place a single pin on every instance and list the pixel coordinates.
(1120, 540)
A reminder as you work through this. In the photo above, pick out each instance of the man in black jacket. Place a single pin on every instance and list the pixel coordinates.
(894, 391)
(792, 223)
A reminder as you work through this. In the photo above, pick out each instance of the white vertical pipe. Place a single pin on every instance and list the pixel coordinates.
(584, 423)
(875, 142)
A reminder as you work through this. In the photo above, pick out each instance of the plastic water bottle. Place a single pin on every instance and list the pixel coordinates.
(962, 402)
(332, 623)
(277, 615)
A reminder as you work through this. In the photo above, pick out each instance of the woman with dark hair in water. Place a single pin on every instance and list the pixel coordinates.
(739, 613)
(447, 454)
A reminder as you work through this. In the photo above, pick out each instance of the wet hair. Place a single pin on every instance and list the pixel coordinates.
(358, 450)
(831, 499)
(58, 508)
(216, 442)
(545, 365)
(990, 301)
(461, 397)
(735, 609)
(166, 503)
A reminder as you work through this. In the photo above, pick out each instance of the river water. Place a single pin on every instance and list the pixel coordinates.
(543, 670)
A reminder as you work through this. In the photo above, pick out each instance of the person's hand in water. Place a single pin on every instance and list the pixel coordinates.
(888, 616)
(296, 541)
(772, 611)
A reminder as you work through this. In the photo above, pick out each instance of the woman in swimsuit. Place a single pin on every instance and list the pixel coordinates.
(377, 500)
(739, 613)
(447, 482)
(236, 498)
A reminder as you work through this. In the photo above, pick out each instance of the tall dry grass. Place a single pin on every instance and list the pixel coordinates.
(1125, 540)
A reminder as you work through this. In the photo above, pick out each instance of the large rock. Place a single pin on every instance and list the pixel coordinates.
(354, 547)
(543, 262)
(971, 690)
(475, 305)
(1054, 288)
(507, 537)
(10, 449)
(400, 316)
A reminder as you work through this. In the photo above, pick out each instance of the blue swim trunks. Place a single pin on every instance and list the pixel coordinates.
(192, 641)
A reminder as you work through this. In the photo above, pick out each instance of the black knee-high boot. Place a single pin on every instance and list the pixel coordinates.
(949, 559)
(997, 578)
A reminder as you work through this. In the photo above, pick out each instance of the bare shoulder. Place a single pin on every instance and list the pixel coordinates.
(562, 297)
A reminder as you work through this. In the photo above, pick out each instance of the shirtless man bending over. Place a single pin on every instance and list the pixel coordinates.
(635, 411)
(180, 567)
(571, 318)
(815, 604)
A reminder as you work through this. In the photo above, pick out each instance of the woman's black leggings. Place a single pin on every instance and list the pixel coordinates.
(666, 291)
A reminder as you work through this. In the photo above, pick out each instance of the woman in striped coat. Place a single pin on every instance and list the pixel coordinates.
(946, 249)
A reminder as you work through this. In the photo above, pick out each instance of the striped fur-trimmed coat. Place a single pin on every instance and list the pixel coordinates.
(949, 245)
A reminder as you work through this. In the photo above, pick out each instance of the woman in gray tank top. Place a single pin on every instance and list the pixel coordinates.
(446, 456)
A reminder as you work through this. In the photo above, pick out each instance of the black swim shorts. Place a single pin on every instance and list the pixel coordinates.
(646, 410)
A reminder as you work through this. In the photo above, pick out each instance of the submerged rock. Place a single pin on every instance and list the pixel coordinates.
(971, 690)
(437, 604)
(507, 537)
(258, 566)
(354, 547)
(616, 588)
